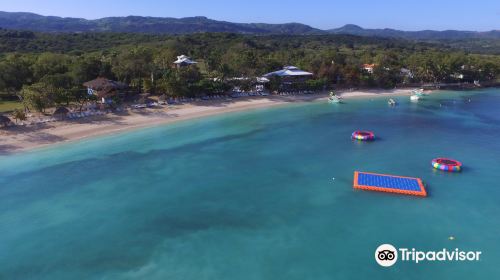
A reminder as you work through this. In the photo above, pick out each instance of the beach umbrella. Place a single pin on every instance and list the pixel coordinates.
(4, 120)
(61, 111)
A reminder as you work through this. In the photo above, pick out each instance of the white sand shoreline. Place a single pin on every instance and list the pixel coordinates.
(19, 139)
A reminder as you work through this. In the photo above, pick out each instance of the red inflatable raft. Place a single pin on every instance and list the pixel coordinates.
(363, 135)
(446, 164)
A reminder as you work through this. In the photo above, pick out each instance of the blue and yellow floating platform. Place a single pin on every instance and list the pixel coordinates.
(389, 183)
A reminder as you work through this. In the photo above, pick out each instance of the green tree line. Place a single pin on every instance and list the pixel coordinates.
(54, 71)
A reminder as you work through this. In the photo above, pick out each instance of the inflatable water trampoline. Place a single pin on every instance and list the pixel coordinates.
(446, 164)
(363, 135)
(389, 183)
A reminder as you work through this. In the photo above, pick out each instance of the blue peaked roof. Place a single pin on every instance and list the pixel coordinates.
(288, 71)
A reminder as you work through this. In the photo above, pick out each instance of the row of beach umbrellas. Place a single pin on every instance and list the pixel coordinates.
(59, 112)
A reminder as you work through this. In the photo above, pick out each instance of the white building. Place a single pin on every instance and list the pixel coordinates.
(368, 68)
(184, 60)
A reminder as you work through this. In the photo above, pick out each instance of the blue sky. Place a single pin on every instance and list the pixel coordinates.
(407, 15)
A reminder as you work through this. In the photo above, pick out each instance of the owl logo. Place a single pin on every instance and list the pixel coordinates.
(386, 255)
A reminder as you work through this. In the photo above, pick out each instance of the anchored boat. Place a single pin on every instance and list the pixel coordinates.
(417, 94)
(334, 98)
(415, 98)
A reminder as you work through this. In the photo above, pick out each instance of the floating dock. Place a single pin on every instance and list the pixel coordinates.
(389, 183)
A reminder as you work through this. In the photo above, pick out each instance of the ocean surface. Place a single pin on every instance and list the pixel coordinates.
(265, 194)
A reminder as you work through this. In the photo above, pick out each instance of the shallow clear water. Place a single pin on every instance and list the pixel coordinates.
(265, 194)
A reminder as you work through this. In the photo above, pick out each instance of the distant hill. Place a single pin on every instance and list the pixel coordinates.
(137, 24)
(158, 25)
(416, 35)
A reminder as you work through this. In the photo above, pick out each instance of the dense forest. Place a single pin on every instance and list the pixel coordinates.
(46, 68)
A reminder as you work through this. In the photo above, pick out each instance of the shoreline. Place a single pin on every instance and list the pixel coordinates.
(21, 139)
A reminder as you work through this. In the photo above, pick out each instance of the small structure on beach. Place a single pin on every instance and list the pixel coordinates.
(4, 121)
(184, 61)
(104, 88)
(61, 112)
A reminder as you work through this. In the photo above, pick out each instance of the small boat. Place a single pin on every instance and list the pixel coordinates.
(392, 102)
(334, 98)
(419, 92)
(415, 98)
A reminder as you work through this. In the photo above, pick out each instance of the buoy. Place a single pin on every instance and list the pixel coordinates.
(451, 238)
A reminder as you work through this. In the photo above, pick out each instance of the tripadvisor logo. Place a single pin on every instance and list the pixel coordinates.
(387, 255)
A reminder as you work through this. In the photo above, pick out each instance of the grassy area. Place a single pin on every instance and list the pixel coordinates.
(8, 106)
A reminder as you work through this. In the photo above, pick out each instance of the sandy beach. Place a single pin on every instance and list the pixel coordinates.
(21, 138)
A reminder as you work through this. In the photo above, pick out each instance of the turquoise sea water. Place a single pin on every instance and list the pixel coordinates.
(265, 194)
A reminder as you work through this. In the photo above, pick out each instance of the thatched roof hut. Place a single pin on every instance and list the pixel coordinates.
(4, 121)
(103, 87)
(61, 112)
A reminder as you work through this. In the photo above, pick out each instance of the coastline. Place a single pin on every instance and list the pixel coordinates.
(18, 139)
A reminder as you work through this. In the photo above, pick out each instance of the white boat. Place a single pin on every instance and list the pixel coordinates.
(392, 102)
(419, 92)
(334, 98)
(414, 98)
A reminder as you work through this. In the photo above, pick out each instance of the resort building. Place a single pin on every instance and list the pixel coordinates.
(368, 68)
(184, 61)
(290, 74)
(289, 71)
(104, 89)
(290, 77)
